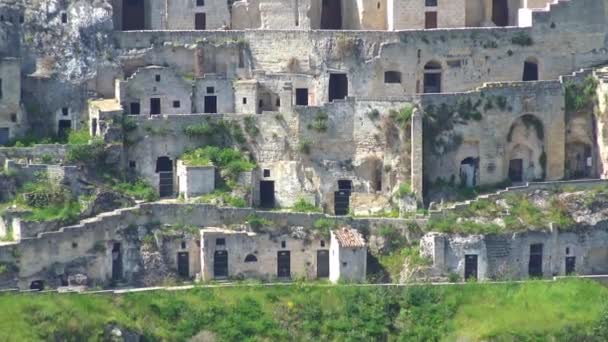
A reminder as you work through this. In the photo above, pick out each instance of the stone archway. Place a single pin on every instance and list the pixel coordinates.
(525, 150)
(469, 169)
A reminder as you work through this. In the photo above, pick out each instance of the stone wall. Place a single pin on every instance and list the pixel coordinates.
(507, 256)
(35, 153)
(86, 248)
(11, 115)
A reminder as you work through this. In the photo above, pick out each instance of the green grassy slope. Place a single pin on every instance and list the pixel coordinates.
(567, 310)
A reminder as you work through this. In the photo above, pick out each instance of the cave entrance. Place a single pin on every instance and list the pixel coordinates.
(116, 262)
(267, 194)
(570, 265)
(183, 264)
(4, 135)
(37, 285)
(500, 12)
(342, 197)
(579, 160)
(468, 172)
(220, 264)
(516, 170)
(535, 265)
(338, 87)
(283, 264)
(164, 168)
(470, 267)
(133, 15)
(530, 70)
(211, 104)
(331, 15)
(323, 263)
(63, 129)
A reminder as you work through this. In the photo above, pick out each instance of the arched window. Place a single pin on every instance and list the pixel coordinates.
(251, 258)
(432, 77)
(530, 69)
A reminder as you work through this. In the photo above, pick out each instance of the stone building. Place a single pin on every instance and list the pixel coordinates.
(348, 256)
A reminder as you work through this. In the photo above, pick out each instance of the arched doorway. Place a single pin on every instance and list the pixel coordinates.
(468, 172)
(525, 157)
(164, 168)
(530, 69)
(500, 12)
(432, 77)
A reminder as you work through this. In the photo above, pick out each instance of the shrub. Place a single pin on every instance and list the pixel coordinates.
(228, 159)
(305, 146)
(128, 124)
(324, 226)
(402, 117)
(522, 39)
(302, 205)
(319, 123)
(250, 127)
(139, 189)
(404, 190)
(257, 223)
(86, 153)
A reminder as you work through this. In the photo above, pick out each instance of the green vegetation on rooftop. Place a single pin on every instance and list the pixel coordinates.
(228, 159)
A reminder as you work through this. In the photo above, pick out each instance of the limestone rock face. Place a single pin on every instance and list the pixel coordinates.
(106, 201)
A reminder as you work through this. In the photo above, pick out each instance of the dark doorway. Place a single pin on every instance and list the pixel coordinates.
(432, 78)
(154, 106)
(284, 264)
(4, 135)
(535, 266)
(570, 265)
(63, 129)
(133, 15)
(220, 264)
(323, 263)
(468, 172)
(37, 285)
(267, 194)
(331, 15)
(164, 168)
(116, 262)
(430, 20)
(302, 97)
(470, 267)
(516, 170)
(94, 127)
(200, 21)
(338, 87)
(530, 71)
(183, 264)
(134, 108)
(500, 12)
(342, 197)
(211, 104)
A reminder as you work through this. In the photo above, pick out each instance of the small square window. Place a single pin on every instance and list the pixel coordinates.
(278, 102)
(176, 104)
(64, 18)
(220, 242)
(157, 78)
(135, 108)
(200, 3)
(65, 111)
(283, 244)
(244, 100)
(430, 3)
(13, 117)
(132, 164)
(266, 172)
(21, 19)
(567, 250)
(210, 90)
(322, 243)
(183, 244)
(344, 264)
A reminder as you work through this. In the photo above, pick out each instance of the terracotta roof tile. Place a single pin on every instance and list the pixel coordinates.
(349, 238)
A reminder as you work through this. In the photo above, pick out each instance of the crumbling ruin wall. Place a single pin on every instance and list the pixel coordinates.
(493, 126)
(86, 248)
(507, 256)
